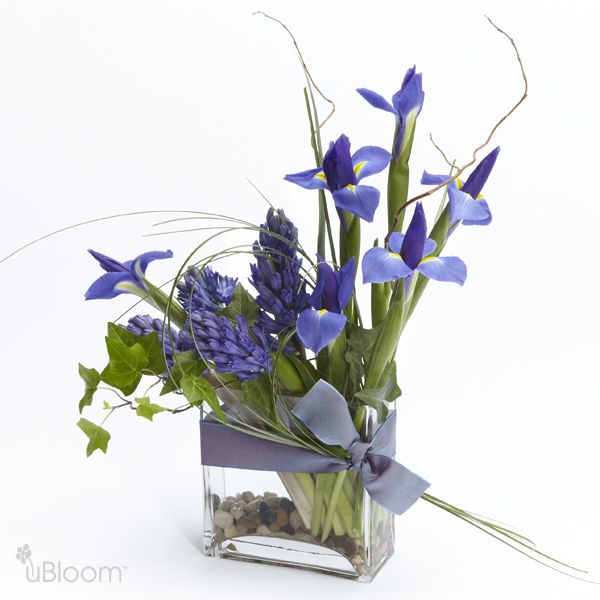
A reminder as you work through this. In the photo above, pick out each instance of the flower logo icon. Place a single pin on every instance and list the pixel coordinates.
(23, 553)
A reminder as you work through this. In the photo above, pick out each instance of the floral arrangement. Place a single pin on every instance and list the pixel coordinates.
(290, 373)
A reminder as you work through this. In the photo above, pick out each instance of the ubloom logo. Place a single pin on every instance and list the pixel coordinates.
(50, 571)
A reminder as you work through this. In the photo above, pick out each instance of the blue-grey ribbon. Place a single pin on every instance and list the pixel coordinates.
(324, 411)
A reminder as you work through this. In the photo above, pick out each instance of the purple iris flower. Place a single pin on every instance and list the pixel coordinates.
(341, 174)
(406, 105)
(122, 278)
(323, 322)
(411, 252)
(466, 202)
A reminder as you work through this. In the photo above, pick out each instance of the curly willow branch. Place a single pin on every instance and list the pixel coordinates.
(303, 63)
(460, 170)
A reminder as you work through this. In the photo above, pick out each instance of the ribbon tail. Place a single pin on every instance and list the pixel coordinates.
(390, 484)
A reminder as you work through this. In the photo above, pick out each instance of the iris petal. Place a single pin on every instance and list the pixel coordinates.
(431, 179)
(143, 260)
(463, 206)
(105, 287)
(414, 240)
(410, 97)
(380, 266)
(408, 101)
(325, 293)
(482, 202)
(430, 246)
(369, 160)
(313, 179)
(376, 100)
(396, 239)
(337, 164)
(345, 278)
(317, 328)
(447, 268)
(360, 200)
(395, 242)
(476, 180)
(107, 263)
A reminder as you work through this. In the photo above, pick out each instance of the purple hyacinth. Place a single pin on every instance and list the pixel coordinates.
(276, 274)
(205, 289)
(145, 324)
(234, 349)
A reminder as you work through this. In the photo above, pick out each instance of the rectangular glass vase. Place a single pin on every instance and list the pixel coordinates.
(274, 518)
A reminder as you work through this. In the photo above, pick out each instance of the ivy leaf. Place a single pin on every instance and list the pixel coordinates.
(98, 437)
(91, 378)
(368, 398)
(377, 397)
(147, 409)
(361, 342)
(258, 395)
(106, 405)
(242, 303)
(184, 363)
(125, 366)
(198, 390)
(150, 343)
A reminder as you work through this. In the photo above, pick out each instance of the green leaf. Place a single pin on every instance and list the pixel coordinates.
(150, 343)
(198, 390)
(307, 372)
(356, 368)
(106, 405)
(258, 396)
(125, 366)
(184, 363)
(242, 303)
(98, 437)
(361, 342)
(147, 409)
(91, 378)
(377, 397)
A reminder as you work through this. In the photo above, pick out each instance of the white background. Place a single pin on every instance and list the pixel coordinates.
(109, 107)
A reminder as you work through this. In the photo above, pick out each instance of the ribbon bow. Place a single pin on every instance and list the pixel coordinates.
(324, 411)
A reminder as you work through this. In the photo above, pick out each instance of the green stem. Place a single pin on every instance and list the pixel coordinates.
(301, 488)
(163, 302)
(332, 506)
(358, 504)
(350, 247)
(321, 484)
(380, 299)
(397, 191)
(338, 367)
(388, 337)
(315, 137)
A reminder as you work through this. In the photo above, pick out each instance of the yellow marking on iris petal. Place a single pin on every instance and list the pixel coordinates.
(395, 255)
(480, 197)
(130, 287)
(321, 175)
(459, 183)
(427, 258)
(351, 187)
(322, 312)
(358, 167)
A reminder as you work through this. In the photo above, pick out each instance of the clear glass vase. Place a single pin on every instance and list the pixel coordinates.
(320, 522)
